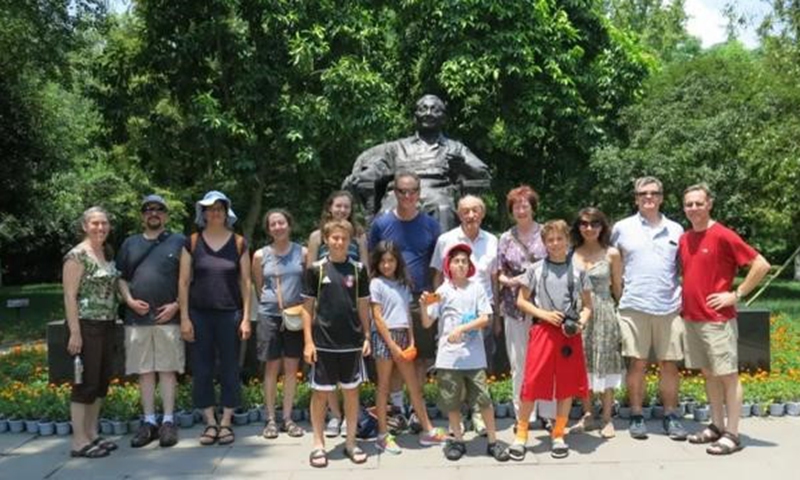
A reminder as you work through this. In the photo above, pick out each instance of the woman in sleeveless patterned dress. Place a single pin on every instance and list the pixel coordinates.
(591, 236)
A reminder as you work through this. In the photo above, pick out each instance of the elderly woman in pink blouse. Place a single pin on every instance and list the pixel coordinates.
(518, 249)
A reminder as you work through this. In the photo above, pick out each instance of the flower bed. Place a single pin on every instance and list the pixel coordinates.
(25, 392)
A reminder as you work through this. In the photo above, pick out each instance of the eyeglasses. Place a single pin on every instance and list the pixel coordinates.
(407, 192)
(650, 193)
(590, 223)
(154, 210)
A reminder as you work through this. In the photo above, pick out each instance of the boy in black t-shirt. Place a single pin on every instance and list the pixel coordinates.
(335, 324)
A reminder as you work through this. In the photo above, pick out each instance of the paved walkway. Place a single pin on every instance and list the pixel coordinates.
(772, 449)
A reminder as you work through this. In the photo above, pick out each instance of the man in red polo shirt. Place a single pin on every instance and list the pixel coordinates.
(710, 256)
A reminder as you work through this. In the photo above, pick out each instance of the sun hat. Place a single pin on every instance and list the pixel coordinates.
(209, 199)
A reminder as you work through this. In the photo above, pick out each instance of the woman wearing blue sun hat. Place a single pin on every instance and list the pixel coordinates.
(214, 294)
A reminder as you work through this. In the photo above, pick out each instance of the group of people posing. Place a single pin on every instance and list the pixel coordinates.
(572, 301)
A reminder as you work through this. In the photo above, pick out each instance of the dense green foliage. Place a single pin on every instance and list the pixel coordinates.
(272, 100)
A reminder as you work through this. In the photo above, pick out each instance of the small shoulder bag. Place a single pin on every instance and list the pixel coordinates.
(292, 318)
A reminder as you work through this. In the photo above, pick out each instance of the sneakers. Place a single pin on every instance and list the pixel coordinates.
(387, 443)
(414, 424)
(674, 429)
(167, 434)
(461, 424)
(396, 421)
(498, 451)
(478, 425)
(454, 449)
(434, 437)
(333, 428)
(637, 428)
(146, 434)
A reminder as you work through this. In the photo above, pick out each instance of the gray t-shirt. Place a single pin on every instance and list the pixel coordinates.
(290, 269)
(554, 295)
(459, 306)
(155, 279)
(394, 299)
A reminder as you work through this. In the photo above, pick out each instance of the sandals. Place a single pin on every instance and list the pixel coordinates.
(226, 436)
(90, 450)
(454, 450)
(270, 430)
(710, 434)
(559, 449)
(292, 429)
(355, 454)
(585, 424)
(104, 444)
(210, 435)
(318, 458)
(720, 447)
(516, 451)
(608, 430)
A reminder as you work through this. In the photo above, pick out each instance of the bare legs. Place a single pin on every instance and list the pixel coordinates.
(273, 367)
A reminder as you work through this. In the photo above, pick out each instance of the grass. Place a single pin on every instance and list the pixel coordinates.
(30, 323)
(47, 304)
(782, 296)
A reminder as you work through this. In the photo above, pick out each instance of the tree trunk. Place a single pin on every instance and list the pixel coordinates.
(251, 221)
(796, 269)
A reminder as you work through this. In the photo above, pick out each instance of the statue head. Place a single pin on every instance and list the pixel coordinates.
(430, 114)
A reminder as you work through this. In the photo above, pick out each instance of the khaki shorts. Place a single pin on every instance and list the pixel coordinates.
(713, 346)
(641, 331)
(455, 385)
(153, 348)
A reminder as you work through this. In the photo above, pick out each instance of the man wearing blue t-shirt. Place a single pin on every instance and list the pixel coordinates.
(415, 233)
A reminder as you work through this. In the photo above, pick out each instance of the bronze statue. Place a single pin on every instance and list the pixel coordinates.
(447, 168)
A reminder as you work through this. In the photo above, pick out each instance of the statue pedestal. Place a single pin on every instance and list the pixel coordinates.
(753, 344)
(61, 368)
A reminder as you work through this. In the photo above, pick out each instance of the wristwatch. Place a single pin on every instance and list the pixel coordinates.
(738, 295)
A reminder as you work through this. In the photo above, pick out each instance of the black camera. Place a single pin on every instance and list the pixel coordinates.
(571, 325)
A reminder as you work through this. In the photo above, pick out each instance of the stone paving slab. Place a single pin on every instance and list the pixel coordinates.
(772, 448)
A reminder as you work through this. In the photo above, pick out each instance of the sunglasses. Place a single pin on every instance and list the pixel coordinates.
(154, 210)
(590, 223)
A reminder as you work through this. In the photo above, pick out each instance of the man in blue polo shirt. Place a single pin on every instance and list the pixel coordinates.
(649, 309)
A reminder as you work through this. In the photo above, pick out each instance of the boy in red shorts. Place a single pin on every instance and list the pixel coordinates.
(555, 365)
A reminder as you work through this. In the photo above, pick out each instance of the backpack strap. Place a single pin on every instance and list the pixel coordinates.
(322, 263)
(193, 242)
(356, 267)
(239, 244)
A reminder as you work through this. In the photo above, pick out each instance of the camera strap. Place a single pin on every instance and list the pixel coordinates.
(570, 283)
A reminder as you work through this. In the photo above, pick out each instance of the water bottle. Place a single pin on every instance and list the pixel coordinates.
(78, 370)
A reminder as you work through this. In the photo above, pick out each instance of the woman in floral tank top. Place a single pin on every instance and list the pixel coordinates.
(90, 304)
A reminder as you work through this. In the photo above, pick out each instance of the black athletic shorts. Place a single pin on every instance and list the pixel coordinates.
(333, 368)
